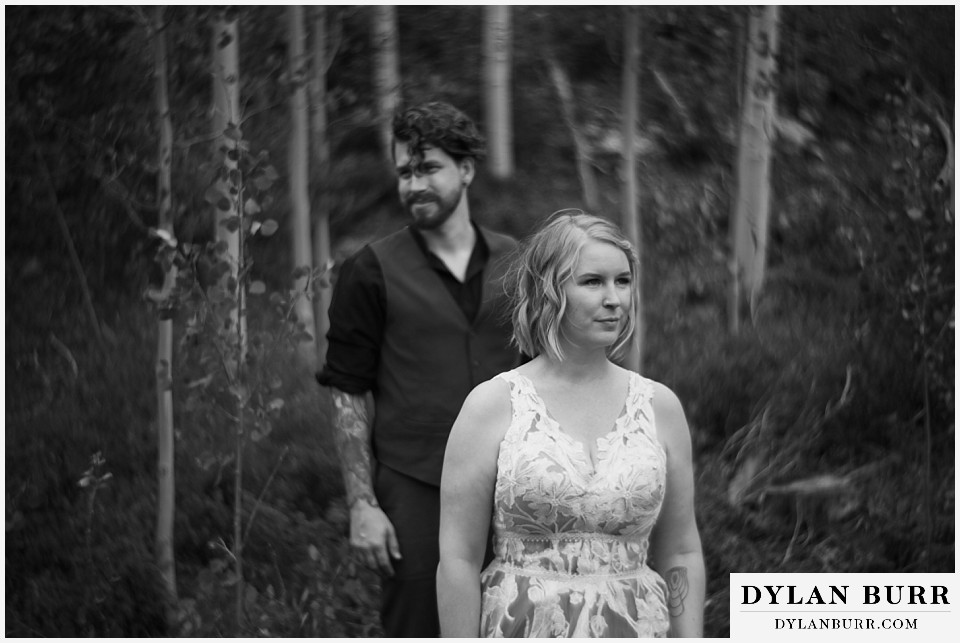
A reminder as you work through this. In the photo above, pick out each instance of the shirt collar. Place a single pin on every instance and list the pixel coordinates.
(478, 257)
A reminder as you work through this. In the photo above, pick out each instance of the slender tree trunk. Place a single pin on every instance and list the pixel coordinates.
(631, 197)
(386, 66)
(584, 160)
(320, 157)
(757, 131)
(164, 367)
(298, 169)
(497, 33)
(226, 125)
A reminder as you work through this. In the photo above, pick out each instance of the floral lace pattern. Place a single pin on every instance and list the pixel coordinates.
(571, 536)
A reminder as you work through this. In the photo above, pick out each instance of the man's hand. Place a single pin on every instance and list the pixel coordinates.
(372, 537)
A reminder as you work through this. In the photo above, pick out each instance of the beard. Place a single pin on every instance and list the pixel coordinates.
(430, 211)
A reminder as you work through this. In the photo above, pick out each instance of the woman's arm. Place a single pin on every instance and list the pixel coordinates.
(466, 505)
(675, 547)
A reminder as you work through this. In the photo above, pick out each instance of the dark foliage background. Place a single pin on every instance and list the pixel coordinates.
(846, 371)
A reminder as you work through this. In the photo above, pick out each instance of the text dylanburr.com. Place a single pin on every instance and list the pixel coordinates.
(848, 607)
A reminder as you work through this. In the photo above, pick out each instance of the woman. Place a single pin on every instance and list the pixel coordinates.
(585, 466)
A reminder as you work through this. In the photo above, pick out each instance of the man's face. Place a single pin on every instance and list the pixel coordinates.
(431, 186)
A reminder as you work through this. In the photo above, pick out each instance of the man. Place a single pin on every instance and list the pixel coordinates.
(417, 319)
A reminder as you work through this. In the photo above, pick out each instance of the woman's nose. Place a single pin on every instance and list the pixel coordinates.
(610, 298)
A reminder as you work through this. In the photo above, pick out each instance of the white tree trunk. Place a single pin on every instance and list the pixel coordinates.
(498, 35)
(631, 197)
(298, 169)
(226, 114)
(757, 132)
(320, 156)
(386, 67)
(166, 481)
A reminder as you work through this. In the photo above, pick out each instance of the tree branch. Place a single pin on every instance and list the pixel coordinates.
(65, 229)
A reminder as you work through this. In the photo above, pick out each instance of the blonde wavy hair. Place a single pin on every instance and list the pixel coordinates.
(545, 263)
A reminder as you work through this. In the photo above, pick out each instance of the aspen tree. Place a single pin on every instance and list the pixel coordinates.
(630, 190)
(320, 159)
(757, 131)
(298, 171)
(226, 126)
(166, 481)
(497, 36)
(386, 80)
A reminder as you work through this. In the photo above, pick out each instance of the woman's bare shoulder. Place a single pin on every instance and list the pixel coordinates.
(668, 412)
(486, 410)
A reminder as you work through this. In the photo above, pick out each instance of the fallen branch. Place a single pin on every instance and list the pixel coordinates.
(65, 352)
(65, 229)
(689, 127)
(584, 162)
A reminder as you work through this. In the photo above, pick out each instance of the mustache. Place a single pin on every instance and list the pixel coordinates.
(421, 198)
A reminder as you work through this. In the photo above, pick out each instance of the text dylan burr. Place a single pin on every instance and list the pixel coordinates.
(837, 595)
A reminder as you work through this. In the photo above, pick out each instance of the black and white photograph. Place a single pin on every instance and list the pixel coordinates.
(485, 320)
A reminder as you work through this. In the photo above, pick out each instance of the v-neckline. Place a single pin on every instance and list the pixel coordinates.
(586, 450)
(467, 275)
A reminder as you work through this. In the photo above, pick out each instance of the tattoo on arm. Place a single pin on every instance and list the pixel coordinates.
(352, 438)
(678, 587)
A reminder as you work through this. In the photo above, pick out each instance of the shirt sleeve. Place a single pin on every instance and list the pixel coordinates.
(357, 313)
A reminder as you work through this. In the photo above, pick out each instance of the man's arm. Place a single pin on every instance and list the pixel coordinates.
(371, 532)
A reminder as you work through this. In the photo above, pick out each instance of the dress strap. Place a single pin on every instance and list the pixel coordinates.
(640, 404)
(522, 403)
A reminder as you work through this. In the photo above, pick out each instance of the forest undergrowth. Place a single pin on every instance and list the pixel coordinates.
(79, 559)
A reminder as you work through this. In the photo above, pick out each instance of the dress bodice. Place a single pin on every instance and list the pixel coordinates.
(580, 527)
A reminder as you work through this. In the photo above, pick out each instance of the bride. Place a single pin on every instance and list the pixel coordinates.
(584, 467)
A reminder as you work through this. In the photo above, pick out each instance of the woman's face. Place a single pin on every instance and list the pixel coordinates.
(598, 296)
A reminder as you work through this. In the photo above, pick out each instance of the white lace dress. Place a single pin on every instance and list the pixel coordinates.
(570, 541)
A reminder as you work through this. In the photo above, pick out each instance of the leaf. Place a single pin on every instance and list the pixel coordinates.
(203, 381)
(250, 595)
(233, 132)
(231, 223)
(275, 405)
(313, 552)
(269, 227)
(165, 236)
(265, 178)
(257, 288)
(251, 207)
(213, 195)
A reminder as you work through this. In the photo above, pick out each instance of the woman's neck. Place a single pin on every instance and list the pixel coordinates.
(577, 365)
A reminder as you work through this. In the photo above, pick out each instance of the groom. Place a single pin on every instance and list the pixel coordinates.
(417, 319)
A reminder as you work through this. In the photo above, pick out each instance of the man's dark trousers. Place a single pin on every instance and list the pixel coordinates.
(409, 598)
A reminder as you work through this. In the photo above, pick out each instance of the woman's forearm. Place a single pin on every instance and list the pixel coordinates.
(458, 598)
(686, 583)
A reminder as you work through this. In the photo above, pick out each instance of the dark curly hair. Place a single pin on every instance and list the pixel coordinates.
(439, 125)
